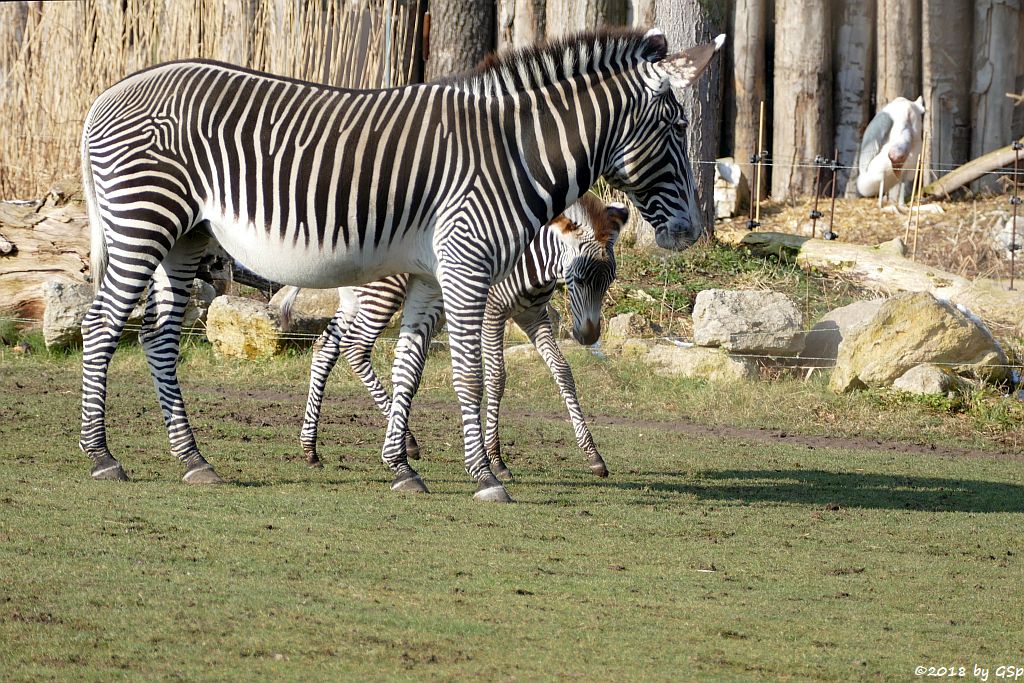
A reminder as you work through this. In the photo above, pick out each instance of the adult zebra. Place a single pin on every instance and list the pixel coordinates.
(576, 249)
(322, 187)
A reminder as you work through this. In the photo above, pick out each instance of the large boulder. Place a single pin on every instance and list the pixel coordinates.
(312, 309)
(748, 322)
(243, 328)
(714, 365)
(911, 329)
(821, 345)
(66, 303)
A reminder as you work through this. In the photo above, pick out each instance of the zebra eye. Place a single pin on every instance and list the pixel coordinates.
(681, 126)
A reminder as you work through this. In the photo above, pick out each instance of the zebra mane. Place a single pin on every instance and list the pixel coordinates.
(543, 64)
(594, 208)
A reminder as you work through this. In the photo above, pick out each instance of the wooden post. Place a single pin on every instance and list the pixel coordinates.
(996, 45)
(747, 86)
(569, 16)
(520, 22)
(461, 34)
(854, 59)
(802, 121)
(947, 78)
(899, 50)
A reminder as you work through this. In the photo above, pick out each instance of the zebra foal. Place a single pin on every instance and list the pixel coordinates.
(322, 187)
(576, 249)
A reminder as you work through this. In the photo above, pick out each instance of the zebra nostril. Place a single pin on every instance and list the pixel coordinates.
(587, 334)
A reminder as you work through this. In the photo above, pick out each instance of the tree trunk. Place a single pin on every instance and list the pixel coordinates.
(854, 56)
(802, 120)
(746, 90)
(996, 45)
(571, 16)
(641, 13)
(687, 23)
(461, 34)
(520, 22)
(899, 51)
(947, 77)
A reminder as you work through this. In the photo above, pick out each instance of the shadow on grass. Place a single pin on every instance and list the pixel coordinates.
(845, 489)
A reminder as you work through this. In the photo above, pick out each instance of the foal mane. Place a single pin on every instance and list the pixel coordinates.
(540, 65)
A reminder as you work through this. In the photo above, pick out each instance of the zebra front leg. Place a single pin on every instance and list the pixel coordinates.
(537, 325)
(324, 359)
(493, 340)
(161, 340)
(465, 297)
(423, 307)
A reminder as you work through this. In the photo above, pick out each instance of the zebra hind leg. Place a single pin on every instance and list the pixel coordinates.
(161, 340)
(101, 331)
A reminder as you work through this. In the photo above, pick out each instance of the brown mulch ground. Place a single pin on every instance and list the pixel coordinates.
(956, 240)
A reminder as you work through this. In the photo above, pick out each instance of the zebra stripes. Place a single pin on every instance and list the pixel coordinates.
(322, 187)
(577, 249)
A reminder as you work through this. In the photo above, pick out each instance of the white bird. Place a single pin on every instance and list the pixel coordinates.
(890, 148)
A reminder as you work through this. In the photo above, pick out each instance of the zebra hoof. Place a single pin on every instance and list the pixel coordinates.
(599, 468)
(412, 447)
(313, 460)
(203, 474)
(490, 490)
(108, 471)
(501, 471)
(408, 483)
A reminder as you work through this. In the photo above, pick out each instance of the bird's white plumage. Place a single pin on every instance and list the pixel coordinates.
(890, 149)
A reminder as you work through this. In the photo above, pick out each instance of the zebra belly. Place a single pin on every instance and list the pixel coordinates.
(309, 265)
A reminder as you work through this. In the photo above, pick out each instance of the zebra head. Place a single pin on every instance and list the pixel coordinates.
(653, 167)
(587, 231)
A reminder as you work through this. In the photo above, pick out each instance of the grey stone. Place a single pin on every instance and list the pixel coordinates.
(243, 328)
(748, 322)
(714, 365)
(628, 326)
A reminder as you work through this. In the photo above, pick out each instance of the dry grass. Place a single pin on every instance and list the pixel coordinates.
(55, 58)
(958, 240)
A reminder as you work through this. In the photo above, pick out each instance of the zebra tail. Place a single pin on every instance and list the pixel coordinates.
(286, 306)
(97, 241)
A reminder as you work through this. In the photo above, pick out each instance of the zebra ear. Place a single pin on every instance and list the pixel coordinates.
(684, 68)
(617, 214)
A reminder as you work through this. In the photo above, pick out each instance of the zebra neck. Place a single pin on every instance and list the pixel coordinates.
(566, 137)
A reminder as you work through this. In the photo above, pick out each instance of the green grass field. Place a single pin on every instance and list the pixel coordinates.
(854, 538)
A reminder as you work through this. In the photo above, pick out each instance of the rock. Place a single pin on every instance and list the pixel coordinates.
(731, 189)
(821, 344)
(629, 325)
(66, 303)
(243, 328)
(714, 365)
(748, 322)
(911, 329)
(199, 302)
(312, 309)
(641, 295)
(1007, 239)
(930, 379)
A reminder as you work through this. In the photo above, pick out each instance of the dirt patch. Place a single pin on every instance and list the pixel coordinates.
(359, 410)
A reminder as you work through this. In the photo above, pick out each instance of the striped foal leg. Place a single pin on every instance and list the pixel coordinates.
(123, 282)
(536, 323)
(465, 288)
(161, 340)
(423, 309)
(493, 341)
(324, 360)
